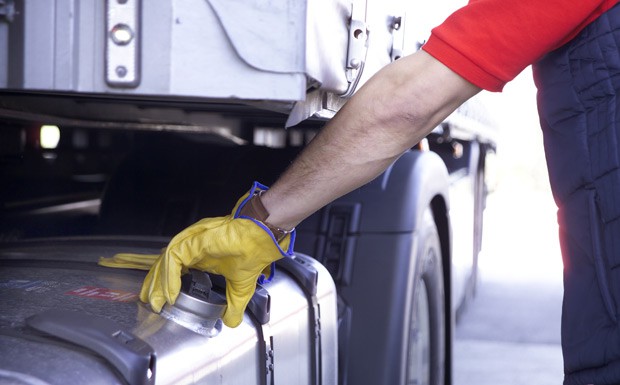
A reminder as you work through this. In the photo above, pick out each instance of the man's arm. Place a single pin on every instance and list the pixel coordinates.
(392, 112)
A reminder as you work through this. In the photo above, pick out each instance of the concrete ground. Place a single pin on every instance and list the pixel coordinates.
(510, 333)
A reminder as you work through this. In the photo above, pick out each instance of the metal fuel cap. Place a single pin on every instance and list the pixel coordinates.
(198, 307)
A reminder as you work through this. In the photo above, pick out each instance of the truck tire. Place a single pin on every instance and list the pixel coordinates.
(381, 242)
(426, 340)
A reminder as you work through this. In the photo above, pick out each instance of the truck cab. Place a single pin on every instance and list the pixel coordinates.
(165, 113)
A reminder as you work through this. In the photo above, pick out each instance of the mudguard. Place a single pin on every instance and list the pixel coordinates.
(367, 240)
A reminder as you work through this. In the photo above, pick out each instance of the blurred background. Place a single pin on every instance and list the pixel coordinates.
(510, 332)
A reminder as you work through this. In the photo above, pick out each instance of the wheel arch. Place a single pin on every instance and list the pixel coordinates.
(439, 208)
(429, 186)
(381, 221)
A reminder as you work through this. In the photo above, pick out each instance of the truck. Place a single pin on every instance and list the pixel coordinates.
(124, 121)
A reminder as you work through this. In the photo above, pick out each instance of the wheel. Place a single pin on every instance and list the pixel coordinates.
(426, 339)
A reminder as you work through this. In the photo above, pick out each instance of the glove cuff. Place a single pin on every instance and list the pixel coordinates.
(254, 208)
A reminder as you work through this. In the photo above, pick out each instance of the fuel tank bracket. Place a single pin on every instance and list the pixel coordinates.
(133, 358)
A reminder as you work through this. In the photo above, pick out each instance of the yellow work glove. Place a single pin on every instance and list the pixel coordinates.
(235, 246)
(130, 261)
(142, 262)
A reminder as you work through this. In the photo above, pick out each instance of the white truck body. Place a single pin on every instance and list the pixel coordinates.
(147, 94)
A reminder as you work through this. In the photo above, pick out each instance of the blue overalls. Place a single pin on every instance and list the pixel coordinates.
(579, 106)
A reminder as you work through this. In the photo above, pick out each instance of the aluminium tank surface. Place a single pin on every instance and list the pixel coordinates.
(62, 276)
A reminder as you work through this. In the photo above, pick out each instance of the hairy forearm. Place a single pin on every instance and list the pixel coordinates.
(392, 112)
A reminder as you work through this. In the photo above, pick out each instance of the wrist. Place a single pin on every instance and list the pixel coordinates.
(255, 209)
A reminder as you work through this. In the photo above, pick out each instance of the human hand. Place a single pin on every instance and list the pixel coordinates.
(238, 248)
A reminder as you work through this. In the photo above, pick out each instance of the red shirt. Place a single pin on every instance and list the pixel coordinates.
(489, 42)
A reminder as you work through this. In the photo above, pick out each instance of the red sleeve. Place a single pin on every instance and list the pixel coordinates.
(489, 42)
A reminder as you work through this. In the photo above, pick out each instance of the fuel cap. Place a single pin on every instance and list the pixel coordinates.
(198, 307)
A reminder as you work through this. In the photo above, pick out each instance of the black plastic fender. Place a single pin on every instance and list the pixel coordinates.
(392, 201)
(368, 241)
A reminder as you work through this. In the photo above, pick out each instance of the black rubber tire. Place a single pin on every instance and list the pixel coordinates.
(426, 351)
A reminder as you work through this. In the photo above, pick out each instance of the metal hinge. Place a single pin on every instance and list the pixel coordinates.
(318, 347)
(398, 37)
(358, 46)
(122, 48)
(269, 362)
(7, 10)
(317, 323)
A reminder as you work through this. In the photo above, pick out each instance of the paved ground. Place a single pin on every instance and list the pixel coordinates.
(510, 333)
